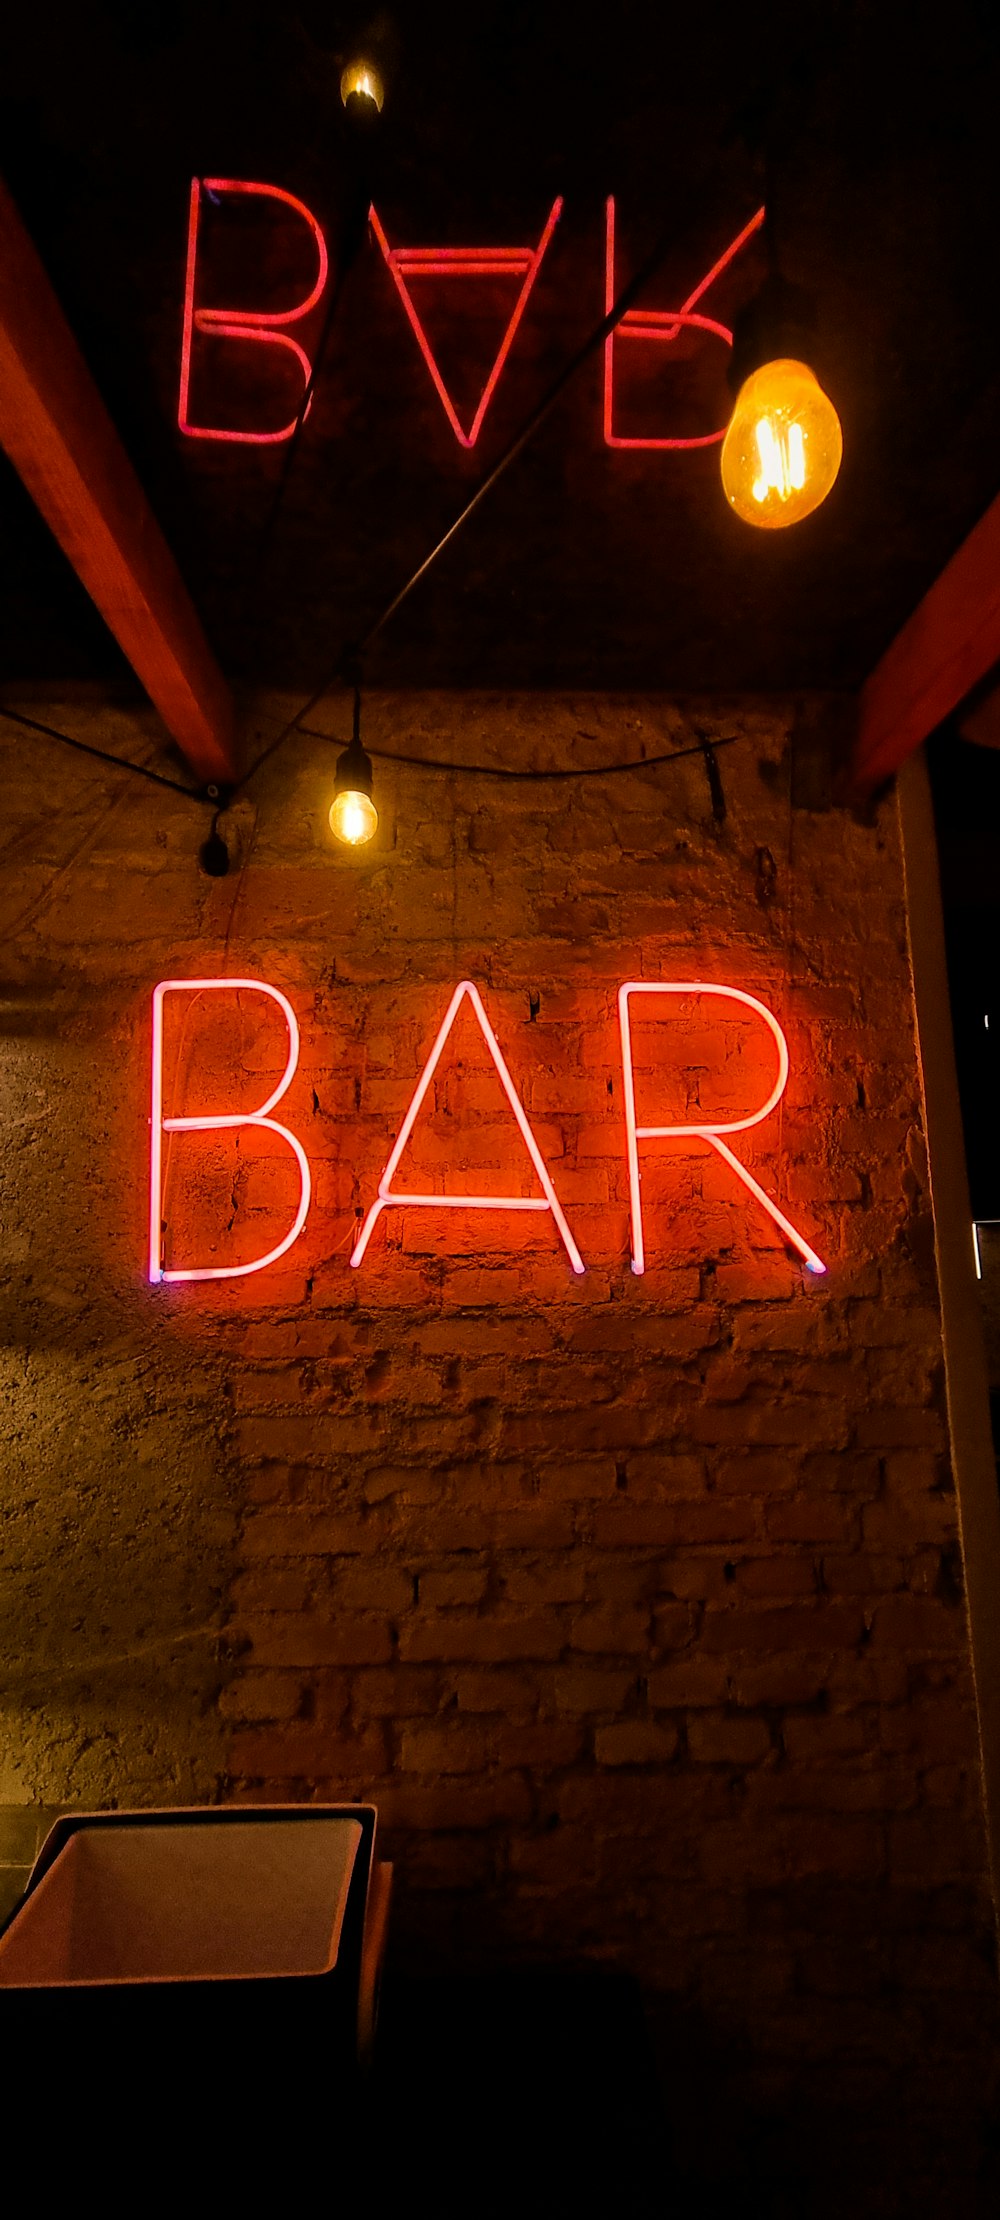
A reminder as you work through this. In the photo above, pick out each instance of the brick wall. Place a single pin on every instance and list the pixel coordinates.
(636, 1603)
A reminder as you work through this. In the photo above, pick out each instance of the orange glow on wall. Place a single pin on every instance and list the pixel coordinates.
(159, 1125)
(406, 263)
(703, 1132)
(661, 326)
(265, 328)
(388, 1198)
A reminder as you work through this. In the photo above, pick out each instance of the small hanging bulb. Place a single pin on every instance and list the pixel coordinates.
(353, 815)
(784, 445)
(361, 81)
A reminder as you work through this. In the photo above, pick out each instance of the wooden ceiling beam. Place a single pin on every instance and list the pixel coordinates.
(948, 646)
(63, 444)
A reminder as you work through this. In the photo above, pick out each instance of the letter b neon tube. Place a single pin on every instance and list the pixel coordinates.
(159, 1125)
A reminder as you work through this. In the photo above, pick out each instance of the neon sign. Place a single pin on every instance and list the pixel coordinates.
(702, 1132)
(264, 327)
(407, 264)
(662, 326)
(451, 262)
(388, 1196)
(159, 1125)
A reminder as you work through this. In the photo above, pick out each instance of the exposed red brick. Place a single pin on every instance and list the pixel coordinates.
(828, 1626)
(624, 1596)
(301, 1753)
(263, 1696)
(635, 1742)
(454, 1637)
(299, 1640)
(714, 1738)
(494, 1690)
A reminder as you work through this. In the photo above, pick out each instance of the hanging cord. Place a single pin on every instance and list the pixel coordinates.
(353, 233)
(504, 771)
(348, 663)
(208, 794)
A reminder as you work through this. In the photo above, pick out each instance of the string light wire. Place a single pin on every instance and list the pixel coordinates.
(119, 763)
(347, 666)
(505, 771)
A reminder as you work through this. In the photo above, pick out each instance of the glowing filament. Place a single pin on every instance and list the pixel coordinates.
(362, 77)
(782, 455)
(353, 818)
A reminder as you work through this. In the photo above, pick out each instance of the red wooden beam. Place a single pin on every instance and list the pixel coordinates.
(948, 645)
(62, 442)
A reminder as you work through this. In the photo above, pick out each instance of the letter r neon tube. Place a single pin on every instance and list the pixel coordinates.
(159, 1125)
(635, 1133)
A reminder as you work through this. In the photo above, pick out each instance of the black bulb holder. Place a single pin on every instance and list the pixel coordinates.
(354, 767)
(362, 113)
(214, 856)
(779, 324)
(354, 770)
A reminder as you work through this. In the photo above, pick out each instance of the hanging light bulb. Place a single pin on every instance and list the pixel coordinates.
(361, 81)
(353, 815)
(784, 445)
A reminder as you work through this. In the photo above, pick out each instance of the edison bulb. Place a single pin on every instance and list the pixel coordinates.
(363, 78)
(783, 448)
(353, 818)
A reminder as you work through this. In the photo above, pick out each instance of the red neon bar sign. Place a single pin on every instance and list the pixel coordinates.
(443, 264)
(265, 328)
(389, 1196)
(227, 1123)
(661, 327)
(702, 1132)
(407, 263)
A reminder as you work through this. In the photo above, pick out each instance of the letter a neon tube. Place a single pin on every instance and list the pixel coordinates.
(387, 1198)
(711, 1133)
(159, 1125)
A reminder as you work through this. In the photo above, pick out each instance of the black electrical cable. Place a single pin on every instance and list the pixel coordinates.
(503, 771)
(348, 661)
(353, 232)
(209, 794)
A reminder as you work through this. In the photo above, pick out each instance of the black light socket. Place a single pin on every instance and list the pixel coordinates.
(354, 770)
(777, 325)
(362, 114)
(213, 855)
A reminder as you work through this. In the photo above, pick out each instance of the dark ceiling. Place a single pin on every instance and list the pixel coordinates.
(585, 567)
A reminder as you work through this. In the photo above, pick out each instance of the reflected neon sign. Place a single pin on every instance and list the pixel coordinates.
(389, 1196)
(440, 266)
(407, 263)
(266, 327)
